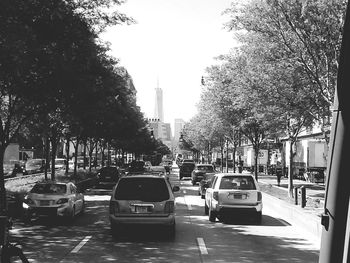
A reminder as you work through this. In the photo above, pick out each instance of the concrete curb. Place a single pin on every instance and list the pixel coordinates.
(295, 216)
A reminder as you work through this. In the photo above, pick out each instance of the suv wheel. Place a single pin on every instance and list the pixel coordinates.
(114, 230)
(171, 231)
(258, 217)
(212, 215)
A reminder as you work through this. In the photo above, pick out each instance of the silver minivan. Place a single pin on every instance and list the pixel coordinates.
(143, 200)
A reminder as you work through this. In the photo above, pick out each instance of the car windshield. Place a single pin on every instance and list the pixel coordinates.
(34, 162)
(237, 182)
(208, 177)
(208, 168)
(49, 189)
(61, 162)
(108, 171)
(143, 189)
(187, 166)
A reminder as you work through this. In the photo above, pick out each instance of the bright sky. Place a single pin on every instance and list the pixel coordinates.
(173, 42)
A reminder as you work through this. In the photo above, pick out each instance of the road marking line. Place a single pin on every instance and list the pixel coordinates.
(201, 246)
(81, 244)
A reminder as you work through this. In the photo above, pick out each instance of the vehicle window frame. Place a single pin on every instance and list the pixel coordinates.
(213, 182)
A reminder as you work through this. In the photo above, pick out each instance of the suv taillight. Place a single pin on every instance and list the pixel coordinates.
(259, 196)
(216, 196)
(169, 207)
(113, 207)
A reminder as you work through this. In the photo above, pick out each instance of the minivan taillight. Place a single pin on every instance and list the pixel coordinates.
(259, 196)
(169, 207)
(216, 195)
(113, 207)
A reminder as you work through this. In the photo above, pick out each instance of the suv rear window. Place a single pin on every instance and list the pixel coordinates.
(205, 168)
(143, 189)
(237, 182)
(187, 165)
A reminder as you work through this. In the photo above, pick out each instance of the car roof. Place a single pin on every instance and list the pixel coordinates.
(109, 167)
(234, 174)
(54, 182)
(144, 175)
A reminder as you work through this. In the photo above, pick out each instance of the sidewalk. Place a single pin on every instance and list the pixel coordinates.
(307, 218)
(314, 191)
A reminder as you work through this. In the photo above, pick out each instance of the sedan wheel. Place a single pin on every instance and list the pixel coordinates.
(82, 208)
(73, 213)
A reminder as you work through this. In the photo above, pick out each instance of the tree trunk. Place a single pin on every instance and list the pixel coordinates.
(103, 154)
(84, 154)
(290, 170)
(222, 156)
(234, 158)
(67, 153)
(96, 154)
(47, 156)
(53, 155)
(3, 203)
(76, 156)
(256, 165)
(91, 150)
(108, 155)
(226, 156)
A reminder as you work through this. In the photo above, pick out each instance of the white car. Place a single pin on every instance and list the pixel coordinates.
(53, 199)
(231, 195)
(60, 163)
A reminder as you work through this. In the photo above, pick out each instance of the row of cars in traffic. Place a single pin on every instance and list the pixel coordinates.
(144, 195)
(140, 194)
(35, 165)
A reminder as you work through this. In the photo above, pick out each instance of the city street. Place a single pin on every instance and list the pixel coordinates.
(88, 238)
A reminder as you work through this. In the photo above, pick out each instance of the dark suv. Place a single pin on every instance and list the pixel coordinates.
(108, 177)
(186, 170)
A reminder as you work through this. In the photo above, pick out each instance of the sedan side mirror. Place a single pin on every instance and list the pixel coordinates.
(176, 188)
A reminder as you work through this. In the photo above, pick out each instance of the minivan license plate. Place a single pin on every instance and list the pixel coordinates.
(240, 196)
(141, 209)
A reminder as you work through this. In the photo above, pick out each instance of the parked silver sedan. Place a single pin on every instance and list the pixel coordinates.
(53, 199)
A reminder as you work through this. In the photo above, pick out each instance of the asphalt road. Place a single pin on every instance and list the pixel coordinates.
(88, 238)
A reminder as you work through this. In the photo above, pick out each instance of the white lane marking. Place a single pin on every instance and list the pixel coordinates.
(81, 244)
(201, 246)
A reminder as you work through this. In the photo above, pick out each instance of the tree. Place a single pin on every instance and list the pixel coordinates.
(41, 44)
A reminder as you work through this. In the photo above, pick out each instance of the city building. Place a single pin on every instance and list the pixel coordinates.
(158, 106)
(178, 127)
(160, 129)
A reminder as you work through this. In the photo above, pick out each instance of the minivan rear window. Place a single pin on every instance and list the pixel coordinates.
(237, 182)
(143, 189)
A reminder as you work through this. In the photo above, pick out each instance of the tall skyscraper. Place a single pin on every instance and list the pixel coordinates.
(158, 110)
